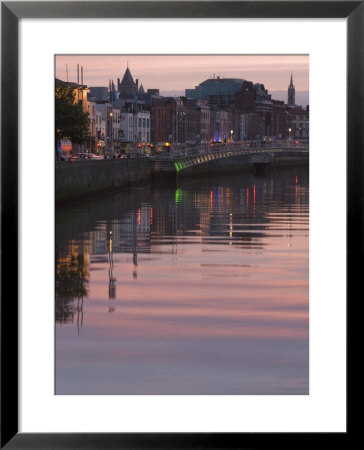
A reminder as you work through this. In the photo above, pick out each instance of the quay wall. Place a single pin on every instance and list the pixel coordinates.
(78, 179)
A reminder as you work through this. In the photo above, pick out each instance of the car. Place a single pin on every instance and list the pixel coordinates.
(97, 157)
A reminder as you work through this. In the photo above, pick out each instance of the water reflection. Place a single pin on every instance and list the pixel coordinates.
(71, 281)
(196, 288)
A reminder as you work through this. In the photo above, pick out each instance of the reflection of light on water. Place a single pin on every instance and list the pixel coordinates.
(234, 303)
(112, 280)
(79, 314)
(231, 228)
(178, 195)
(254, 197)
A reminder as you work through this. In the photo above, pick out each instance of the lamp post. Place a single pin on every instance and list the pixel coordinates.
(120, 136)
(111, 134)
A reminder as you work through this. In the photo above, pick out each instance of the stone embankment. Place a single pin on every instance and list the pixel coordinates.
(79, 179)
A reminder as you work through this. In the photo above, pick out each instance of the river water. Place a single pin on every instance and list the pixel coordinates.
(199, 288)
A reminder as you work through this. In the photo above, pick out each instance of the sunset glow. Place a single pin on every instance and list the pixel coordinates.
(172, 74)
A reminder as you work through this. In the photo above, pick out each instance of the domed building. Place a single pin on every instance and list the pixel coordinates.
(217, 91)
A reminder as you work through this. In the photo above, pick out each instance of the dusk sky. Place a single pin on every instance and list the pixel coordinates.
(172, 74)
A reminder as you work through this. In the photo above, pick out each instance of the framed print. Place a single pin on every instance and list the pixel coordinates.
(195, 371)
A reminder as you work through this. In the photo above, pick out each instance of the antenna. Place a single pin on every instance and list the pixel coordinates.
(67, 72)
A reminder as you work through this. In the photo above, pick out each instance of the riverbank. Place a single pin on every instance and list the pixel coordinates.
(79, 179)
(82, 179)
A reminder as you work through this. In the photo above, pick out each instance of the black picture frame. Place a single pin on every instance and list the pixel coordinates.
(11, 12)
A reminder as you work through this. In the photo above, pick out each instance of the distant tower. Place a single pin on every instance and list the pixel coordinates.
(291, 93)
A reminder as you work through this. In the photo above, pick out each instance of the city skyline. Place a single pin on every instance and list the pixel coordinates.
(172, 74)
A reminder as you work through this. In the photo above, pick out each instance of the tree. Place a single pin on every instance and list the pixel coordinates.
(71, 122)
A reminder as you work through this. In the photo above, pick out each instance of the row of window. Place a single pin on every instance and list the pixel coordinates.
(145, 121)
(142, 135)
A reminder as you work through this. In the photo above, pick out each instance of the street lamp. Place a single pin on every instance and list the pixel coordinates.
(289, 131)
(120, 136)
(231, 135)
(111, 134)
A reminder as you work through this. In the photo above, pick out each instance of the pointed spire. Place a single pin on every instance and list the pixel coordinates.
(291, 93)
(127, 78)
(127, 85)
(291, 83)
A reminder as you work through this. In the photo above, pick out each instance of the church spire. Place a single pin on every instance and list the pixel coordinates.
(291, 93)
(127, 86)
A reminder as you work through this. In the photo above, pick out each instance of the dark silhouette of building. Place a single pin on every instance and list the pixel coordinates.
(217, 91)
(298, 123)
(128, 88)
(245, 98)
(291, 93)
(279, 121)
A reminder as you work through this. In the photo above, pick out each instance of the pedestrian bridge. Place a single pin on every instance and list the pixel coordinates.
(228, 157)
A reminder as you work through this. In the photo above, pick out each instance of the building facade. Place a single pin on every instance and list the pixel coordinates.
(279, 120)
(223, 110)
(298, 123)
